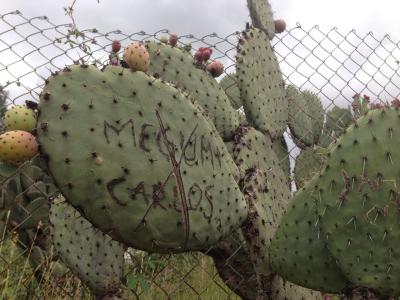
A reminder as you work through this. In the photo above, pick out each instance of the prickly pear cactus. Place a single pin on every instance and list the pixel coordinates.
(93, 256)
(338, 119)
(316, 113)
(158, 165)
(280, 147)
(229, 85)
(309, 162)
(174, 65)
(300, 121)
(298, 251)
(254, 150)
(262, 16)
(285, 290)
(261, 84)
(359, 202)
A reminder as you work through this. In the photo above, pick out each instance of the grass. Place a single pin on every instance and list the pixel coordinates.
(180, 277)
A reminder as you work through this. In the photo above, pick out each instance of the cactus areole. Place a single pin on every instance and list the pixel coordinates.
(139, 159)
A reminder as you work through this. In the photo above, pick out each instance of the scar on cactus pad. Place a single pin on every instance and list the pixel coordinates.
(137, 57)
(20, 117)
(17, 146)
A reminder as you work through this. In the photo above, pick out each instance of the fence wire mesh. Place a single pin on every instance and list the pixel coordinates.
(333, 64)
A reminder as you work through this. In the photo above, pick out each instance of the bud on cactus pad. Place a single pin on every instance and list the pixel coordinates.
(17, 146)
(216, 68)
(115, 46)
(163, 184)
(173, 40)
(137, 57)
(20, 117)
(280, 26)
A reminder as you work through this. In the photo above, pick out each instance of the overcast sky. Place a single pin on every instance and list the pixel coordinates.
(220, 16)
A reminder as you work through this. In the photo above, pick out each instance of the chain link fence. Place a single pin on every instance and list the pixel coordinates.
(333, 64)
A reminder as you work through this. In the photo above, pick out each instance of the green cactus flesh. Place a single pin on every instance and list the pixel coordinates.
(316, 113)
(338, 119)
(261, 84)
(262, 16)
(230, 86)
(280, 147)
(254, 150)
(174, 65)
(139, 159)
(309, 162)
(359, 202)
(300, 121)
(298, 252)
(92, 255)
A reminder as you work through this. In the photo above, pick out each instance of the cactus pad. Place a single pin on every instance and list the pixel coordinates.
(174, 65)
(316, 113)
(280, 147)
(359, 201)
(298, 252)
(229, 85)
(338, 119)
(92, 255)
(309, 162)
(261, 84)
(300, 122)
(139, 159)
(262, 16)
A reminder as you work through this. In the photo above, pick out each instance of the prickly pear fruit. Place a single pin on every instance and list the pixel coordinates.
(173, 40)
(20, 118)
(17, 146)
(137, 57)
(203, 54)
(216, 68)
(280, 26)
(115, 46)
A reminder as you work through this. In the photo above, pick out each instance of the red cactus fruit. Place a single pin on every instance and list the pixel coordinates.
(206, 53)
(280, 26)
(396, 103)
(115, 46)
(173, 40)
(216, 68)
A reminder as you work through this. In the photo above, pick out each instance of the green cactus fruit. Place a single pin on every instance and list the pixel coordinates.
(285, 290)
(338, 119)
(160, 169)
(309, 162)
(280, 147)
(137, 57)
(232, 261)
(93, 256)
(298, 252)
(261, 84)
(229, 85)
(359, 202)
(316, 113)
(174, 65)
(262, 16)
(300, 122)
(20, 117)
(17, 146)
(164, 39)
